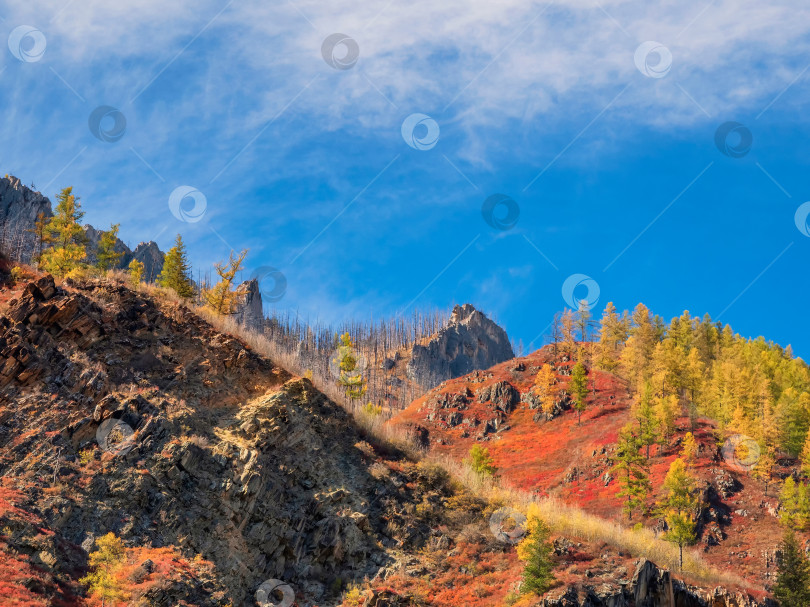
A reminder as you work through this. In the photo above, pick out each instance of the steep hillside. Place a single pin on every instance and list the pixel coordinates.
(231, 458)
(559, 458)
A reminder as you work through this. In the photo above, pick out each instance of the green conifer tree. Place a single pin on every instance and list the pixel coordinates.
(481, 461)
(630, 466)
(578, 386)
(538, 571)
(176, 273)
(646, 417)
(792, 588)
(679, 505)
(791, 504)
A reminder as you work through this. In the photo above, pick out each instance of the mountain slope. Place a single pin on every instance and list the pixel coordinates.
(233, 459)
(236, 473)
(558, 458)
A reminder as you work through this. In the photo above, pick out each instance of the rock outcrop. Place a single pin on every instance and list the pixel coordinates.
(249, 310)
(650, 587)
(19, 208)
(468, 342)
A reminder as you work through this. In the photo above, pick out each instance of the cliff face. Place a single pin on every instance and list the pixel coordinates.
(19, 207)
(470, 341)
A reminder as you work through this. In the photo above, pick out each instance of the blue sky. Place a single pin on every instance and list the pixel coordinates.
(605, 144)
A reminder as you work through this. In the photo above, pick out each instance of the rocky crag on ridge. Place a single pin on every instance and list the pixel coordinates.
(468, 342)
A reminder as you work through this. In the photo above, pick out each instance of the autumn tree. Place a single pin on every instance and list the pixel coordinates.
(637, 355)
(679, 505)
(578, 387)
(65, 233)
(135, 273)
(350, 375)
(556, 332)
(536, 552)
(805, 459)
(106, 256)
(222, 298)
(791, 512)
(544, 387)
(481, 461)
(666, 409)
(792, 588)
(631, 469)
(763, 469)
(612, 334)
(689, 448)
(176, 272)
(104, 563)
